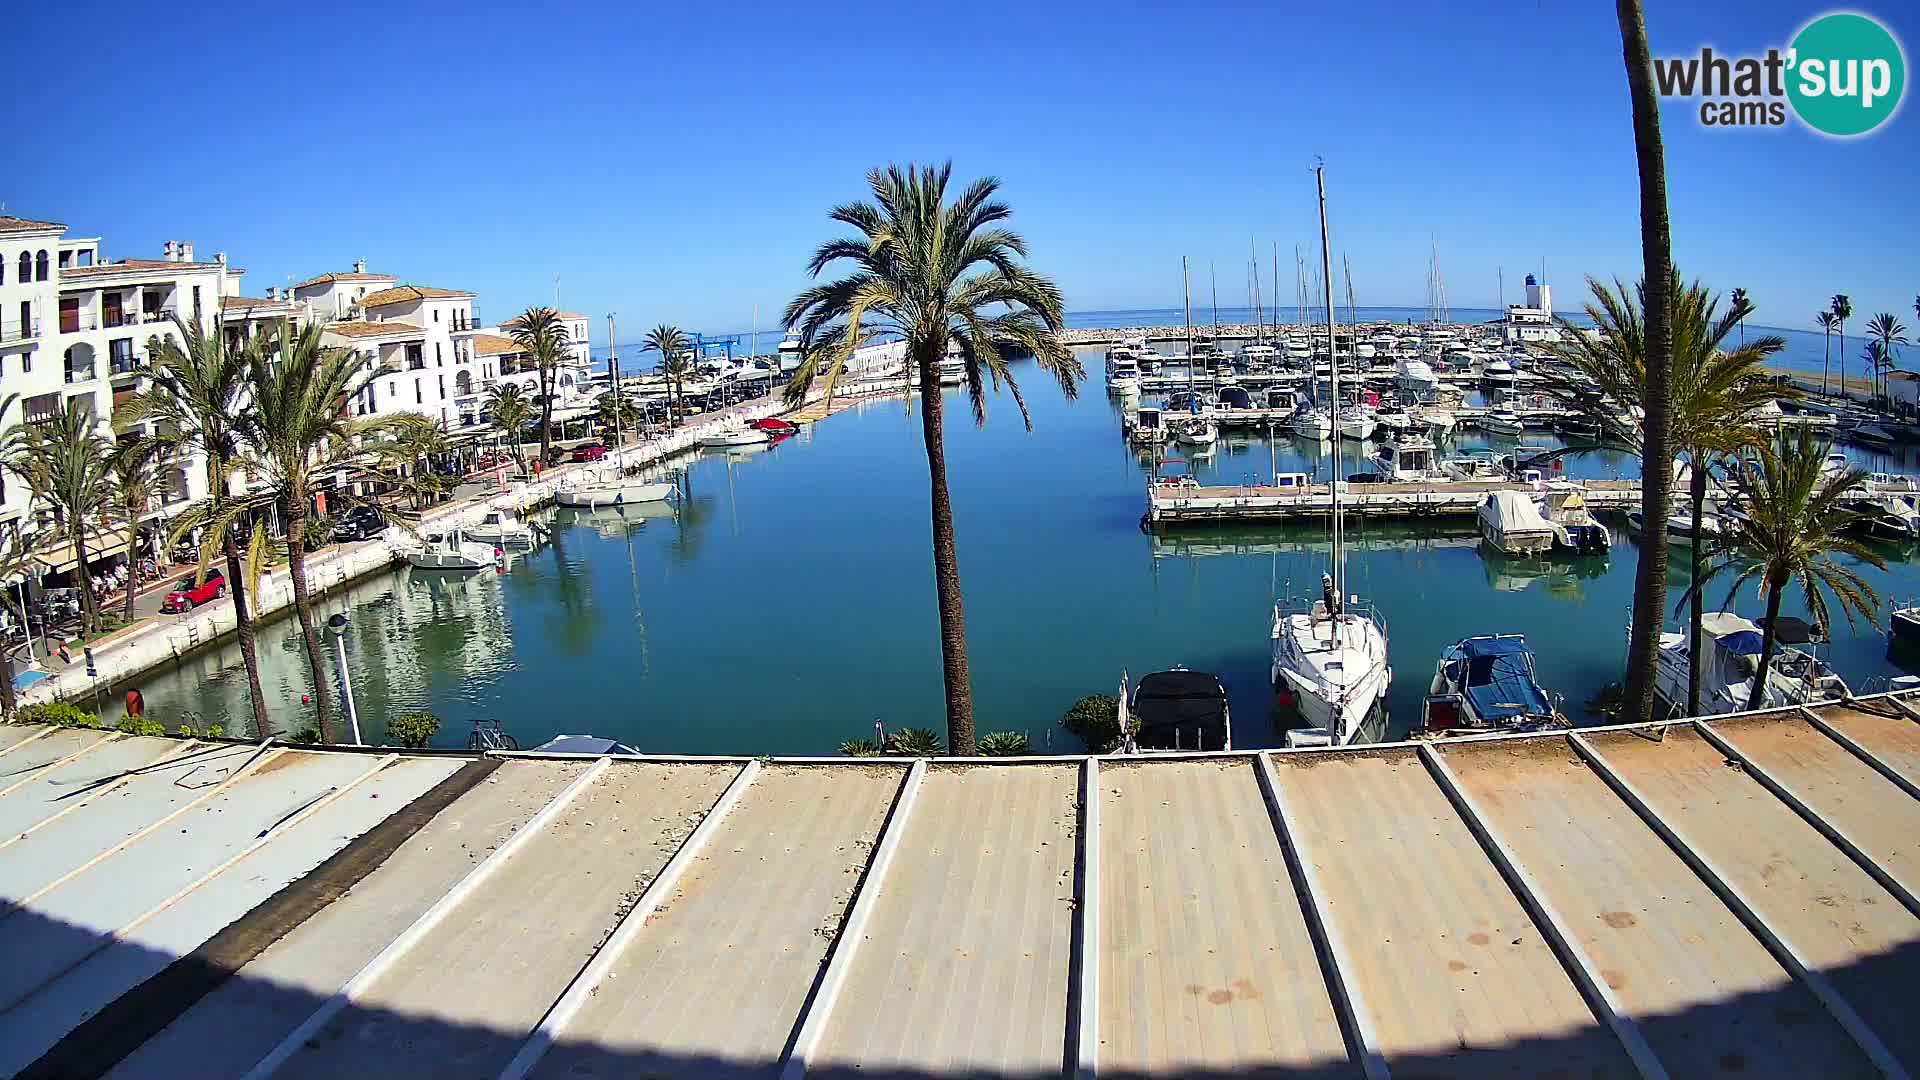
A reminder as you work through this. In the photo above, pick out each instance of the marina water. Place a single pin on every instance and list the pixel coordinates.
(789, 605)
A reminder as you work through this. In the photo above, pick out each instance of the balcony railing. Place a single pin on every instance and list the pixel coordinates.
(130, 365)
(73, 322)
(416, 365)
(80, 374)
(19, 331)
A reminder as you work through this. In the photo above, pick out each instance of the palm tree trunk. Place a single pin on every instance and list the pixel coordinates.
(89, 610)
(1758, 696)
(1826, 366)
(1843, 362)
(243, 629)
(546, 418)
(1650, 578)
(1696, 610)
(133, 562)
(946, 574)
(303, 608)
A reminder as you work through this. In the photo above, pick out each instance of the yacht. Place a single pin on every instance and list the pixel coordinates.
(1330, 652)
(1480, 466)
(1123, 375)
(609, 487)
(951, 371)
(1496, 372)
(1889, 517)
(452, 551)
(1503, 423)
(1488, 684)
(1358, 422)
(502, 528)
(1408, 459)
(1415, 379)
(1312, 422)
(1147, 427)
(1175, 710)
(1440, 422)
(1575, 529)
(1731, 646)
(1511, 523)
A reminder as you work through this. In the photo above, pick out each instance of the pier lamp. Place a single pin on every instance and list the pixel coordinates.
(337, 624)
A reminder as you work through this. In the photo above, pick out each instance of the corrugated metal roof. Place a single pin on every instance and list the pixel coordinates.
(1728, 898)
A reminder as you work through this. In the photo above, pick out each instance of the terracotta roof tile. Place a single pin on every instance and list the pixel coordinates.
(375, 329)
(132, 266)
(328, 279)
(14, 224)
(404, 294)
(494, 345)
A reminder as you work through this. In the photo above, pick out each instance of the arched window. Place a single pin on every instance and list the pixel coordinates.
(41, 275)
(26, 267)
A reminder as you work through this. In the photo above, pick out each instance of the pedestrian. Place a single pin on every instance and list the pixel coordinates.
(136, 704)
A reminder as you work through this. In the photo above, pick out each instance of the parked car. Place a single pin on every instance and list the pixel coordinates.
(589, 453)
(360, 523)
(187, 595)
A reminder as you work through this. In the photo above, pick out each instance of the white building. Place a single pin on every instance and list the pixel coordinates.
(419, 339)
(1533, 320)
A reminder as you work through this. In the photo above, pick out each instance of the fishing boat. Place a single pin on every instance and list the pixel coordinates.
(1174, 710)
(1330, 653)
(1511, 523)
(452, 552)
(721, 440)
(502, 528)
(1503, 423)
(610, 488)
(1487, 684)
(1731, 647)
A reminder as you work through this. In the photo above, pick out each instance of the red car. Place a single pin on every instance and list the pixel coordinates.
(589, 453)
(186, 595)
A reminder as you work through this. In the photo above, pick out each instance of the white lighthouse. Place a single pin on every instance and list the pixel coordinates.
(1539, 296)
(1533, 320)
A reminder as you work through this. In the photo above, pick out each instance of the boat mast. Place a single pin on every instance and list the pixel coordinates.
(1333, 373)
(1186, 291)
(1276, 290)
(1259, 316)
(1214, 277)
(613, 363)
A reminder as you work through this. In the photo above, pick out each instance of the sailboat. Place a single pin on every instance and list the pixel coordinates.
(1330, 652)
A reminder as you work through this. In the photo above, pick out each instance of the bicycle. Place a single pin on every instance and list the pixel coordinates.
(488, 736)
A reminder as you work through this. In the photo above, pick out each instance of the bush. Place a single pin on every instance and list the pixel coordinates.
(413, 730)
(306, 736)
(1095, 721)
(860, 748)
(1004, 744)
(916, 742)
(140, 725)
(211, 731)
(58, 714)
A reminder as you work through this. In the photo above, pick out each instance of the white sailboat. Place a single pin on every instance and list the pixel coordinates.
(609, 487)
(1330, 653)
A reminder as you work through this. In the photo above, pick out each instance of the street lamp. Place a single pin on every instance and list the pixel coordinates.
(338, 625)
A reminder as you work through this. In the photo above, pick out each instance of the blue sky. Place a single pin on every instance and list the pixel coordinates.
(675, 162)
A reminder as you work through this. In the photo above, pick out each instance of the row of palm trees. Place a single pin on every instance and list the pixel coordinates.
(1886, 335)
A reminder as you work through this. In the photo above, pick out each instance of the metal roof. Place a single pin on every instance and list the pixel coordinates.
(1684, 899)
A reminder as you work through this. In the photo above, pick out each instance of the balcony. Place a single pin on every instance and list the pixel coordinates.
(124, 367)
(79, 373)
(19, 330)
(73, 322)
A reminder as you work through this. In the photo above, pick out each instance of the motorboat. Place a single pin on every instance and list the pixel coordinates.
(1175, 710)
(1407, 459)
(1123, 374)
(1510, 522)
(1575, 529)
(611, 488)
(1889, 517)
(1357, 422)
(451, 551)
(1488, 684)
(1415, 379)
(1731, 646)
(502, 528)
(1440, 422)
(1503, 423)
(1147, 426)
(775, 427)
(1835, 464)
(1312, 423)
(1235, 397)
(1680, 527)
(721, 440)
(1196, 431)
(951, 372)
(1496, 372)
(1903, 626)
(1393, 419)
(1480, 466)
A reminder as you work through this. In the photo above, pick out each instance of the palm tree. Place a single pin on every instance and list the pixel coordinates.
(542, 335)
(935, 274)
(1716, 395)
(675, 362)
(616, 413)
(130, 479)
(1842, 311)
(511, 412)
(1656, 250)
(193, 397)
(63, 460)
(1743, 308)
(1827, 323)
(1886, 332)
(16, 562)
(1796, 520)
(405, 452)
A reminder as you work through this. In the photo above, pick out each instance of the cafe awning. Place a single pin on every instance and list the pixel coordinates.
(59, 559)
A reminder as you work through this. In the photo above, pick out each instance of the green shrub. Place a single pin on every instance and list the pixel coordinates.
(211, 731)
(859, 748)
(57, 713)
(413, 730)
(1004, 744)
(140, 725)
(1095, 721)
(306, 736)
(916, 742)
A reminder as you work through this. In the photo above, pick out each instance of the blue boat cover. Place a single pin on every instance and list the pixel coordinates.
(1742, 643)
(1499, 679)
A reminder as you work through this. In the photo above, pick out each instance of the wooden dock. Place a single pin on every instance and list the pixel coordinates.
(1174, 504)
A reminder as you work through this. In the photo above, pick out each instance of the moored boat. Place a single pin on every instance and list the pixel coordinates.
(736, 437)
(1487, 684)
(613, 489)
(502, 528)
(1175, 710)
(1511, 522)
(1731, 647)
(451, 551)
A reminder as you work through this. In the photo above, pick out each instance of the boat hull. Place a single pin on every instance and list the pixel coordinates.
(614, 495)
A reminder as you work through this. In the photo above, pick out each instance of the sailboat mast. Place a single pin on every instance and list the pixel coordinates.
(1276, 290)
(1333, 372)
(1259, 316)
(1213, 277)
(1186, 291)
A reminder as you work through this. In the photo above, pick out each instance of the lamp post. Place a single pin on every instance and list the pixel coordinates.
(338, 625)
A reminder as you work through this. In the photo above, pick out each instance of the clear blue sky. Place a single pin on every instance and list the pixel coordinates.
(674, 162)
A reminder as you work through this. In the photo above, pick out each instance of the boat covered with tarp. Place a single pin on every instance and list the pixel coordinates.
(1488, 684)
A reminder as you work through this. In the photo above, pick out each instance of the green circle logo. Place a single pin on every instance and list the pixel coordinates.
(1846, 74)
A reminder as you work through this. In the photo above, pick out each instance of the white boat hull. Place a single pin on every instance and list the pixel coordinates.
(1313, 427)
(1358, 430)
(747, 437)
(1341, 707)
(614, 494)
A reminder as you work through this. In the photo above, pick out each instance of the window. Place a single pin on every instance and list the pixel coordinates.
(436, 315)
(26, 268)
(26, 361)
(419, 397)
(196, 302)
(42, 276)
(443, 385)
(437, 361)
(66, 259)
(393, 388)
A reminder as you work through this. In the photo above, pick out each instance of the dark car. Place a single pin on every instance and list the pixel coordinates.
(187, 595)
(589, 453)
(360, 523)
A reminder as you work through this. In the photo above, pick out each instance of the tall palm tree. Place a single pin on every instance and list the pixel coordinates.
(675, 363)
(1827, 324)
(1656, 250)
(1886, 332)
(511, 411)
(63, 461)
(193, 397)
(934, 273)
(616, 413)
(1796, 520)
(1744, 307)
(130, 479)
(542, 335)
(1842, 311)
(405, 451)
(16, 562)
(1716, 395)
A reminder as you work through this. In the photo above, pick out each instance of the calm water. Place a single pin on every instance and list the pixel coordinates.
(790, 605)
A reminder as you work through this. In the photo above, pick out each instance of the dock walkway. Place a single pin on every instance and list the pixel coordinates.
(1172, 504)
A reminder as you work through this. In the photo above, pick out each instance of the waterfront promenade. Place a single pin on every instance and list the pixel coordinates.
(1728, 898)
